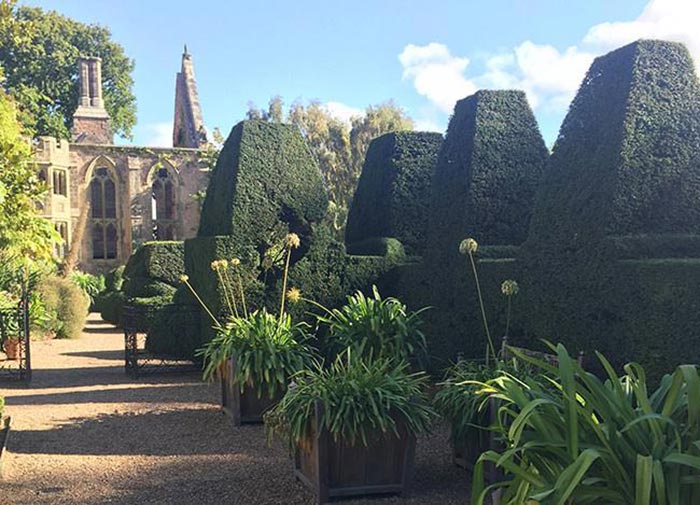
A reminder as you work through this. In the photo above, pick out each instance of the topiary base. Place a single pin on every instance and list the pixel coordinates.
(243, 407)
(336, 469)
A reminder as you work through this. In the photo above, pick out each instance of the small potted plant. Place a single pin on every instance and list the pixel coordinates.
(11, 334)
(254, 352)
(469, 418)
(352, 425)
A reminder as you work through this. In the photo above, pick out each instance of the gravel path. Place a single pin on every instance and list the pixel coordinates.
(85, 433)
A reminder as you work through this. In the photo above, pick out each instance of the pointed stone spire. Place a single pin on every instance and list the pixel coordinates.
(188, 126)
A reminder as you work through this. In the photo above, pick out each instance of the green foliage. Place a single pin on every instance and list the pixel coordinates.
(375, 327)
(91, 285)
(457, 400)
(622, 182)
(2, 405)
(115, 278)
(393, 192)
(40, 65)
(339, 149)
(175, 332)
(241, 202)
(587, 440)
(24, 233)
(488, 170)
(67, 303)
(162, 261)
(378, 246)
(111, 306)
(359, 398)
(263, 215)
(267, 350)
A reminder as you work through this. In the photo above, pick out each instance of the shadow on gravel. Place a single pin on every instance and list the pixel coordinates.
(115, 355)
(171, 393)
(254, 474)
(165, 433)
(48, 378)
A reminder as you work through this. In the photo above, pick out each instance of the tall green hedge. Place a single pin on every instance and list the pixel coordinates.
(265, 185)
(162, 261)
(488, 169)
(265, 174)
(393, 192)
(622, 186)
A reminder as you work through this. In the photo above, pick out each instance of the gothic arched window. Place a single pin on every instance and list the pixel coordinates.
(163, 206)
(103, 202)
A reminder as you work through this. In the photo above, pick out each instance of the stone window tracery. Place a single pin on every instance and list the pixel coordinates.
(103, 199)
(163, 206)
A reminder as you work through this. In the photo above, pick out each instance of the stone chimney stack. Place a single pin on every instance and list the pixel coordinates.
(188, 126)
(91, 120)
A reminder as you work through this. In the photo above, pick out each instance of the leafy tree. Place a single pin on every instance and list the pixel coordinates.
(24, 233)
(339, 147)
(39, 56)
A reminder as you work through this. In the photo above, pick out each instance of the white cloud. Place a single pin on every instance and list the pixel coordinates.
(548, 75)
(676, 20)
(436, 74)
(342, 111)
(427, 125)
(157, 134)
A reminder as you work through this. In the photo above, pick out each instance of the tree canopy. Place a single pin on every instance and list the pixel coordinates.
(339, 146)
(23, 231)
(39, 59)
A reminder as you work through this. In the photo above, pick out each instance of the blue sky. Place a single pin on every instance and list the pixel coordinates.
(423, 55)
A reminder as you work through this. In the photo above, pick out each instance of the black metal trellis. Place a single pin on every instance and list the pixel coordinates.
(137, 359)
(15, 355)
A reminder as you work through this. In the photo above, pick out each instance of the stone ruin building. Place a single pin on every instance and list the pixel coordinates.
(106, 199)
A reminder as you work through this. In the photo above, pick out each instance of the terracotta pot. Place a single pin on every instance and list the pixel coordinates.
(11, 348)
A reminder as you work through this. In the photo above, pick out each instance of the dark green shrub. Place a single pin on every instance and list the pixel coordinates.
(249, 216)
(111, 305)
(243, 202)
(162, 261)
(145, 287)
(114, 279)
(378, 246)
(488, 169)
(487, 172)
(67, 303)
(623, 185)
(394, 189)
(175, 331)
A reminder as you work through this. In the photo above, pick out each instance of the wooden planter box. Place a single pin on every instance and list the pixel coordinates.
(5, 424)
(243, 407)
(335, 469)
(466, 452)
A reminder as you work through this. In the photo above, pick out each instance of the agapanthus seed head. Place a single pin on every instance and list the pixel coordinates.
(509, 287)
(293, 295)
(184, 278)
(235, 262)
(292, 241)
(468, 246)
